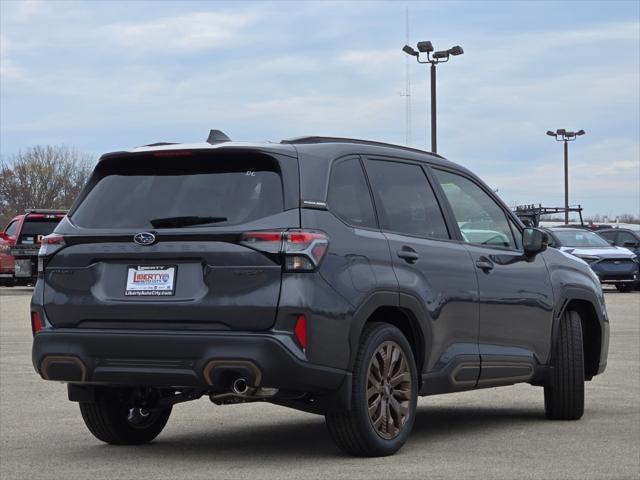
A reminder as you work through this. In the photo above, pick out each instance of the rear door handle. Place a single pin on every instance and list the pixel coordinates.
(408, 254)
(484, 264)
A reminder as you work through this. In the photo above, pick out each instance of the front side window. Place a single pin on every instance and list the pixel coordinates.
(349, 196)
(405, 201)
(479, 217)
(517, 234)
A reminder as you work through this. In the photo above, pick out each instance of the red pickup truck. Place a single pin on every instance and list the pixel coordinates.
(20, 242)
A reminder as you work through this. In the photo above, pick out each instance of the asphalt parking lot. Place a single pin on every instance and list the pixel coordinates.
(493, 433)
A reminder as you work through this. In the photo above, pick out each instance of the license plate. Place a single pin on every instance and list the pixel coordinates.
(150, 281)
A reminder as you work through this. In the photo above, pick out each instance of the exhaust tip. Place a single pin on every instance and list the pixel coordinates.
(240, 386)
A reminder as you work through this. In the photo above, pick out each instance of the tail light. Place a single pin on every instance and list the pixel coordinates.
(49, 245)
(36, 323)
(303, 250)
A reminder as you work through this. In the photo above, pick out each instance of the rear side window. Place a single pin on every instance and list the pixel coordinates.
(166, 193)
(33, 229)
(349, 196)
(405, 201)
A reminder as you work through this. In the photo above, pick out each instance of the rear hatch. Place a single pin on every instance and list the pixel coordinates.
(155, 242)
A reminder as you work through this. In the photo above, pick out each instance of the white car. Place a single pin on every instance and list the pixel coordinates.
(613, 265)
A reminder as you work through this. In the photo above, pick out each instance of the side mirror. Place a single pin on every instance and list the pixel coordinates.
(534, 241)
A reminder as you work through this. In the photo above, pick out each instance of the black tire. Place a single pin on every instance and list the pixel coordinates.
(624, 287)
(109, 419)
(564, 391)
(353, 430)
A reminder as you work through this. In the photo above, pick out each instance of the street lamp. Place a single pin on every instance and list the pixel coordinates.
(562, 135)
(433, 57)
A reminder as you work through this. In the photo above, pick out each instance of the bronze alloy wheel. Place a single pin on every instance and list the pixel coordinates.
(388, 390)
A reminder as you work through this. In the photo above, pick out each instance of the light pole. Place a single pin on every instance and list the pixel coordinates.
(562, 135)
(433, 58)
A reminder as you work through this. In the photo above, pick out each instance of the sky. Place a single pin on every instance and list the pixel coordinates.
(108, 75)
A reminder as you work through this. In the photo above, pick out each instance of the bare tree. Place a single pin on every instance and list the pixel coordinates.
(628, 218)
(43, 176)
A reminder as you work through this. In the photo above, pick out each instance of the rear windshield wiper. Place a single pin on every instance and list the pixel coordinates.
(177, 222)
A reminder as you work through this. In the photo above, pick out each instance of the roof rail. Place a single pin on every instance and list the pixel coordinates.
(318, 139)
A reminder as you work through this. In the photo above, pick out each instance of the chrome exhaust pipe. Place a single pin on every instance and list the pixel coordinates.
(240, 386)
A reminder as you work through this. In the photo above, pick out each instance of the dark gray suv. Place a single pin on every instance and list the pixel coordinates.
(336, 276)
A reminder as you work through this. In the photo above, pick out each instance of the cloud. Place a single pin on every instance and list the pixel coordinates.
(191, 32)
(104, 76)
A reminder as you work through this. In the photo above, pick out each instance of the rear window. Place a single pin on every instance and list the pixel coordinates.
(33, 229)
(157, 193)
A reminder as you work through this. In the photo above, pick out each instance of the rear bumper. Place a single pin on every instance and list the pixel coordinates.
(171, 359)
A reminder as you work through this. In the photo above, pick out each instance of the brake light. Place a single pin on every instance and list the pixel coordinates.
(300, 331)
(36, 324)
(303, 250)
(173, 153)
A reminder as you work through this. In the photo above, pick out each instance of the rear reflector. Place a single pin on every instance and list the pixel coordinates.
(300, 331)
(36, 324)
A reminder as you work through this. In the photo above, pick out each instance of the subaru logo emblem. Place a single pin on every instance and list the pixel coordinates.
(144, 238)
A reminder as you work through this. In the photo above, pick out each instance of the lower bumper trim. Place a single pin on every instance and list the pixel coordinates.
(172, 359)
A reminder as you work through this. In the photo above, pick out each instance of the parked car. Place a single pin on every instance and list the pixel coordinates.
(20, 242)
(613, 265)
(622, 237)
(336, 276)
